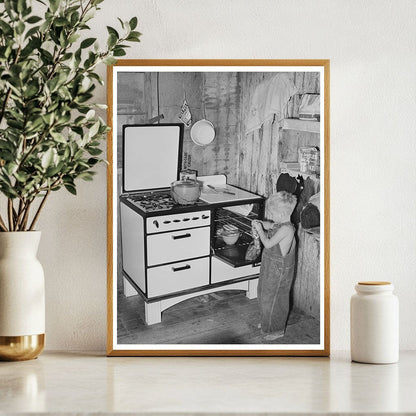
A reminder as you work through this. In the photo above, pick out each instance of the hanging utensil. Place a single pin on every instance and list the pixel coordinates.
(203, 131)
(185, 115)
(159, 116)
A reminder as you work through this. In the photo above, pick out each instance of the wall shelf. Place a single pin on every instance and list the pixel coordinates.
(293, 169)
(295, 173)
(301, 125)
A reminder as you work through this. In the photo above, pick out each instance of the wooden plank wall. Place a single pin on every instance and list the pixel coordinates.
(250, 161)
(261, 151)
(260, 154)
(306, 289)
(251, 167)
(222, 95)
(291, 140)
(131, 104)
(214, 96)
(173, 88)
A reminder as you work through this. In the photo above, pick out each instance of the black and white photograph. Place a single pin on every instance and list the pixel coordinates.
(219, 192)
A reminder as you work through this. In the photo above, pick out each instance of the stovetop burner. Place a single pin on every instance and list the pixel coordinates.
(152, 201)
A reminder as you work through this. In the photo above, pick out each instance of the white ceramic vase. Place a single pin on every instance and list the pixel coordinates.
(22, 296)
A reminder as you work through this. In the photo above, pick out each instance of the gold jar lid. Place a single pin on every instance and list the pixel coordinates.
(374, 283)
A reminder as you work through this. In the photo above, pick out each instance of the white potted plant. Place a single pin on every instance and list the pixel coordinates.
(50, 136)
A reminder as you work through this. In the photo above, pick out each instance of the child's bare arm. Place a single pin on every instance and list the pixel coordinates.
(267, 224)
(283, 232)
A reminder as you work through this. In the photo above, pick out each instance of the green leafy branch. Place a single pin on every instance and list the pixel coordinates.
(50, 134)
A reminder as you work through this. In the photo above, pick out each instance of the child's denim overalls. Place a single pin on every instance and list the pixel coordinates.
(276, 277)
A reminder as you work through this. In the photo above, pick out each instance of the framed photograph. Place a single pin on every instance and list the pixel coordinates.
(218, 208)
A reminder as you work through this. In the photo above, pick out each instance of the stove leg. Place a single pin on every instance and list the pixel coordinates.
(128, 289)
(153, 313)
(251, 293)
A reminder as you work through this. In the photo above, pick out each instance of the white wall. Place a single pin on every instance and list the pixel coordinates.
(371, 45)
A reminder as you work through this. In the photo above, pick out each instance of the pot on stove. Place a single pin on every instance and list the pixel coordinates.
(185, 192)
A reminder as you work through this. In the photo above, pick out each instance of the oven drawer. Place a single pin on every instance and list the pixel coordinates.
(221, 272)
(178, 245)
(175, 277)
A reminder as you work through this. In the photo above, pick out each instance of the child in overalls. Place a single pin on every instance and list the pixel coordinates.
(277, 263)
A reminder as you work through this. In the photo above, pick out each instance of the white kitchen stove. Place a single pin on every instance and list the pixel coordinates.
(172, 252)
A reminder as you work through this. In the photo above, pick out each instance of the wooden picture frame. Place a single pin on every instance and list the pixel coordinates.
(209, 82)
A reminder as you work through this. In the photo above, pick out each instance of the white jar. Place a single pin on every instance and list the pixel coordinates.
(374, 323)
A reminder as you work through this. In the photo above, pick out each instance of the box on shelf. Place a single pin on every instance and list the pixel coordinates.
(309, 160)
(310, 107)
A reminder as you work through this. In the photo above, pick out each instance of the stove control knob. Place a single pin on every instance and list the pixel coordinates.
(204, 217)
(156, 223)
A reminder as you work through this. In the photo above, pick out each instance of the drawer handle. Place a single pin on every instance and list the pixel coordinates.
(177, 237)
(204, 217)
(178, 269)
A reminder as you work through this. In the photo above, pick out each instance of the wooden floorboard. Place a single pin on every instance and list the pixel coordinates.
(226, 317)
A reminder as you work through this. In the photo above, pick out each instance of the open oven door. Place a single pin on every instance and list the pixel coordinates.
(229, 261)
(232, 248)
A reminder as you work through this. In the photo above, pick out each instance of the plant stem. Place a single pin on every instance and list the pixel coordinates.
(21, 212)
(3, 108)
(14, 217)
(26, 216)
(10, 213)
(2, 224)
(39, 209)
(17, 217)
(36, 144)
(23, 223)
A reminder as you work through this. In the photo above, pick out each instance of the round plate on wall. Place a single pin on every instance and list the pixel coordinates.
(202, 132)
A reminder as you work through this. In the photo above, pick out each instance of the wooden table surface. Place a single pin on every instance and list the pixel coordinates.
(86, 383)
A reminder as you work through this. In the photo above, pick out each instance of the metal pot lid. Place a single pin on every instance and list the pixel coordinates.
(186, 184)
